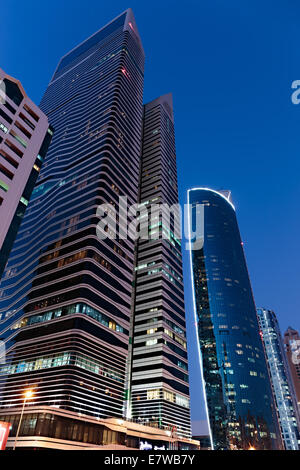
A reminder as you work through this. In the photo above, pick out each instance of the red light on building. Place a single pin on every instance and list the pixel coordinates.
(4, 432)
(124, 72)
(130, 24)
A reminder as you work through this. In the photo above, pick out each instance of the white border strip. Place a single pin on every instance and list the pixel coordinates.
(195, 315)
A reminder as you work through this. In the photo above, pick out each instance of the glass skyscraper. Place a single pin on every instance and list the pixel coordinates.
(240, 405)
(66, 300)
(281, 380)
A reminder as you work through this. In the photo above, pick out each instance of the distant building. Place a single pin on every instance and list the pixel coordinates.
(292, 349)
(282, 385)
(25, 136)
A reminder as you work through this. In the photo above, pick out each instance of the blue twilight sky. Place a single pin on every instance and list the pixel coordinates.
(230, 66)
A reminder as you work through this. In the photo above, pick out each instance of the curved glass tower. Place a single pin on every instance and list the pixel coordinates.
(239, 399)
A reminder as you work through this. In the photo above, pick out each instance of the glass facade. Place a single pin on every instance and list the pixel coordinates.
(284, 393)
(239, 399)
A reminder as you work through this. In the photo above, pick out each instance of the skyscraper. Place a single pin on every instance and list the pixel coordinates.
(285, 397)
(24, 139)
(292, 349)
(159, 380)
(66, 295)
(239, 399)
(66, 305)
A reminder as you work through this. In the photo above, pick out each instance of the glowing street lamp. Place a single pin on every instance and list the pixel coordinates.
(27, 396)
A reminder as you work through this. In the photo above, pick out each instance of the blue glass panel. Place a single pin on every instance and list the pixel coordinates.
(98, 37)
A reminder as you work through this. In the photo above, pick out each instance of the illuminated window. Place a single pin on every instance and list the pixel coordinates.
(24, 201)
(169, 396)
(180, 341)
(19, 139)
(4, 186)
(169, 333)
(182, 401)
(151, 342)
(3, 128)
(152, 331)
(153, 394)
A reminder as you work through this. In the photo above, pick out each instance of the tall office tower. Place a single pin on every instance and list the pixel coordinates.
(292, 349)
(284, 393)
(159, 383)
(25, 136)
(66, 294)
(239, 399)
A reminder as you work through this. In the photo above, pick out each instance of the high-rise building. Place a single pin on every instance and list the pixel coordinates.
(66, 295)
(292, 349)
(159, 379)
(283, 389)
(240, 405)
(66, 298)
(25, 136)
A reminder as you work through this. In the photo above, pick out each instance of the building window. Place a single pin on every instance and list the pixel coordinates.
(169, 396)
(151, 342)
(153, 394)
(4, 186)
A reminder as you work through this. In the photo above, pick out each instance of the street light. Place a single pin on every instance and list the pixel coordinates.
(27, 395)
